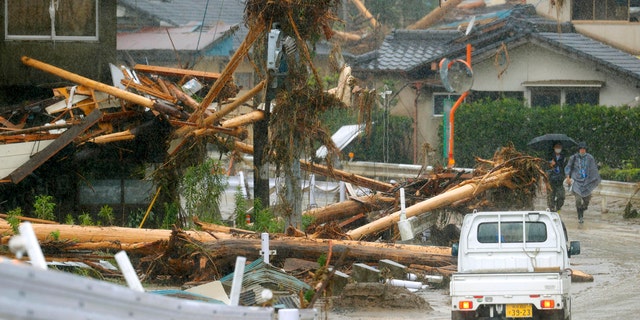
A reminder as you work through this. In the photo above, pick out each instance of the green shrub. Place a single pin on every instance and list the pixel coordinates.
(44, 207)
(69, 219)
(171, 211)
(611, 132)
(623, 175)
(202, 187)
(240, 210)
(105, 215)
(265, 221)
(85, 219)
(13, 220)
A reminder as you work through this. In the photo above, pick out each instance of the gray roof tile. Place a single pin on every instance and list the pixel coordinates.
(182, 12)
(411, 51)
(596, 51)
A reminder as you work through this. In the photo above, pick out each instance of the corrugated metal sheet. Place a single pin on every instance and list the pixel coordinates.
(186, 38)
(31, 293)
(259, 276)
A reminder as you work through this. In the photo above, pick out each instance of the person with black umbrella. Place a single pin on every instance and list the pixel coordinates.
(583, 177)
(557, 162)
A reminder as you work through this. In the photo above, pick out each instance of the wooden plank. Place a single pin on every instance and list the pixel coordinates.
(14, 155)
(49, 151)
(166, 71)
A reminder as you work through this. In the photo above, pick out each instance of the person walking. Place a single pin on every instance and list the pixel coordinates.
(582, 177)
(557, 162)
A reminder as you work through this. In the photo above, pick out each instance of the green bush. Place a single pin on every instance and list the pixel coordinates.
(44, 207)
(85, 219)
(202, 187)
(611, 133)
(105, 215)
(13, 220)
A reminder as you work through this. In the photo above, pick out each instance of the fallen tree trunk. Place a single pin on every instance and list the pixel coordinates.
(439, 201)
(324, 171)
(349, 208)
(105, 234)
(309, 249)
(346, 176)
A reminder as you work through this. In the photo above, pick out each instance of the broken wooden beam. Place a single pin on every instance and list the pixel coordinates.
(326, 172)
(348, 208)
(34, 220)
(218, 228)
(49, 151)
(176, 72)
(116, 92)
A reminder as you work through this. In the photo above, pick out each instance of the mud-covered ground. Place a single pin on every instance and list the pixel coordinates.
(610, 252)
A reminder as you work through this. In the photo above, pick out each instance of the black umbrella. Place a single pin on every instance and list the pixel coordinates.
(546, 142)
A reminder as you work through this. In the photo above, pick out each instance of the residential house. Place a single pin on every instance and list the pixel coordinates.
(613, 22)
(215, 29)
(78, 36)
(515, 53)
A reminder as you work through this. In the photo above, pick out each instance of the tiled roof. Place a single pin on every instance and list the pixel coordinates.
(414, 51)
(182, 38)
(183, 12)
(596, 51)
(403, 50)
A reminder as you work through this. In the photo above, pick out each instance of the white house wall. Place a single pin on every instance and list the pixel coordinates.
(528, 63)
(623, 35)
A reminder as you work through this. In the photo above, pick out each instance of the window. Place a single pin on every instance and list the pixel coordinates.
(575, 96)
(442, 102)
(494, 95)
(549, 96)
(628, 10)
(511, 232)
(545, 97)
(70, 20)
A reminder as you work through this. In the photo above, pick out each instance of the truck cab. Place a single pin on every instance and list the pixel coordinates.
(512, 264)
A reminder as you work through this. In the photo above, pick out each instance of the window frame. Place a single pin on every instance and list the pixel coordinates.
(437, 95)
(53, 35)
(600, 7)
(563, 87)
(511, 232)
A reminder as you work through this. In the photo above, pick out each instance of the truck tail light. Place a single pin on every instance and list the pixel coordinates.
(547, 304)
(465, 305)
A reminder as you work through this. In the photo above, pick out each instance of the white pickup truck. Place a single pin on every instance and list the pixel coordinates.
(512, 265)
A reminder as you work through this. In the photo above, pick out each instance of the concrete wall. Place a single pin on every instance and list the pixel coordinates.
(534, 63)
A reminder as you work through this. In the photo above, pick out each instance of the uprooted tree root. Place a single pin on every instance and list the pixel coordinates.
(184, 260)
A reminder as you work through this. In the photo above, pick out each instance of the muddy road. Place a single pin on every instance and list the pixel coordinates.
(610, 252)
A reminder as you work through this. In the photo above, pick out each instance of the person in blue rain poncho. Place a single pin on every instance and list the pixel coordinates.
(582, 177)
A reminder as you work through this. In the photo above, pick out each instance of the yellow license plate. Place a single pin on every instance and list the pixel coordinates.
(519, 311)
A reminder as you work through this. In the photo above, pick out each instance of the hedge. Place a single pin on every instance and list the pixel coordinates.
(611, 133)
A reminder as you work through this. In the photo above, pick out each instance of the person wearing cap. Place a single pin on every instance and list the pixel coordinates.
(582, 177)
(557, 162)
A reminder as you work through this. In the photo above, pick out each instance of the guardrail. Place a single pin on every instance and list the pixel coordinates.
(608, 190)
(392, 171)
